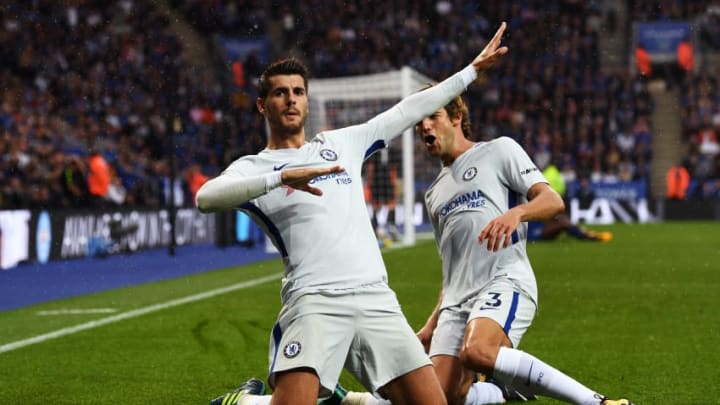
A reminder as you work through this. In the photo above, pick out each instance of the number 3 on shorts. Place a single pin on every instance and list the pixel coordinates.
(493, 301)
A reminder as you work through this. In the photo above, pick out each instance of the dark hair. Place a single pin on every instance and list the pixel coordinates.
(288, 66)
(453, 108)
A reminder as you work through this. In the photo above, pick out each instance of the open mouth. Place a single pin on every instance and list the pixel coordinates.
(429, 139)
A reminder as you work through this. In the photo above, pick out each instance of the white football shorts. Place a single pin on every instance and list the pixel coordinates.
(361, 329)
(500, 301)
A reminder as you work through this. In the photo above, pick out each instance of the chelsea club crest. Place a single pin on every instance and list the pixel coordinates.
(328, 155)
(292, 349)
(470, 174)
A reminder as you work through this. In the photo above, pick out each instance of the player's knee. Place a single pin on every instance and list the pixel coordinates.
(454, 398)
(479, 358)
(451, 390)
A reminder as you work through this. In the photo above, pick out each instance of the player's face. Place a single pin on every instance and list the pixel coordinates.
(436, 132)
(286, 105)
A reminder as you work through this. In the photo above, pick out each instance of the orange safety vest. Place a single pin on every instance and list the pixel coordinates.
(99, 176)
(685, 56)
(678, 180)
(642, 59)
(196, 181)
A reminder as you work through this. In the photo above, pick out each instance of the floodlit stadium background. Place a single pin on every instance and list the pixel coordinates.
(117, 296)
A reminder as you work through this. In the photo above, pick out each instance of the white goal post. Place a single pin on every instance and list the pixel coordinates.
(344, 101)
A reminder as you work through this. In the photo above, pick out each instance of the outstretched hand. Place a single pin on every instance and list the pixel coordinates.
(299, 179)
(492, 52)
(498, 232)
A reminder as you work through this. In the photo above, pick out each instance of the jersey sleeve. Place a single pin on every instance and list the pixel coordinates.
(519, 171)
(381, 129)
(235, 187)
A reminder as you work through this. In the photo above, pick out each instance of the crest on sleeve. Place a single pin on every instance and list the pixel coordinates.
(292, 349)
(470, 174)
(328, 155)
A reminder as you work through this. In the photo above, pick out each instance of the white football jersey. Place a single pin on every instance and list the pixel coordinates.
(327, 242)
(482, 184)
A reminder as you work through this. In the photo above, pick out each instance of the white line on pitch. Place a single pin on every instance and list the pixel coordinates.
(76, 311)
(135, 313)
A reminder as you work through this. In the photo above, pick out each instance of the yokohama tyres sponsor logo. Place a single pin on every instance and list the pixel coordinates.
(473, 199)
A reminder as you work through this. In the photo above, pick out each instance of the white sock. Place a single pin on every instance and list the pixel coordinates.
(255, 400)
(352, 398)
(482, 393)
(362, 398)
(529, 374)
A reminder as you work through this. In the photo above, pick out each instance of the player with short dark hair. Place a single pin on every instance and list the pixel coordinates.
(337, 307)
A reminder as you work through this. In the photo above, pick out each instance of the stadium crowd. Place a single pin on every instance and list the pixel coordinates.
(700, 103)
(87, 92)
(97, 89)
(698, 92)
(549, 94)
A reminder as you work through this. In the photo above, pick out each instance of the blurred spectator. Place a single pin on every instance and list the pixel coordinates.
(710, 190)
(116, 192)
(685, 60)
(74, 182)
(709, 23)
(171, 190)
(642, 61)
(195, 179)
(98, 177)
(678, 181)
(707, 140)
(14, 193)
(666, 10)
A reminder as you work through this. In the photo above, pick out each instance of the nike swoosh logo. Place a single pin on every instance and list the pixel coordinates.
(279, 167)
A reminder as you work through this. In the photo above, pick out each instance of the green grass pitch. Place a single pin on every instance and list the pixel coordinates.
(636, 317)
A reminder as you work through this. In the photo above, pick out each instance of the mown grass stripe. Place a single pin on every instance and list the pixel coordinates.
(76, 311)
(135, 313)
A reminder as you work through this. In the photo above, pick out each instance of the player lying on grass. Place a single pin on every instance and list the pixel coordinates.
(553, 228)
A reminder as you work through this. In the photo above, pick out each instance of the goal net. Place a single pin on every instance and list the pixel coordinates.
(390, 175)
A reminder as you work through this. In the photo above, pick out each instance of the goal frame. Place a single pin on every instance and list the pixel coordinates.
(395, 85)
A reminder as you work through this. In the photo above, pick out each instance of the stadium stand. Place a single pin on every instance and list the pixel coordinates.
(118, 79)
(694, 89)
(701, 123)
(551, 94)
(83, 75)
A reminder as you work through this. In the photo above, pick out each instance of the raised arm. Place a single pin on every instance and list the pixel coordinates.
(419, 105)
(492, 52)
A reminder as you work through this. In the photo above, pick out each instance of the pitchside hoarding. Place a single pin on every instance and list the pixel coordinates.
(40, 236)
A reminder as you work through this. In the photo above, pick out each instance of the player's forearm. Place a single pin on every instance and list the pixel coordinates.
(542, 207)
(226, 192)
(421, 104)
